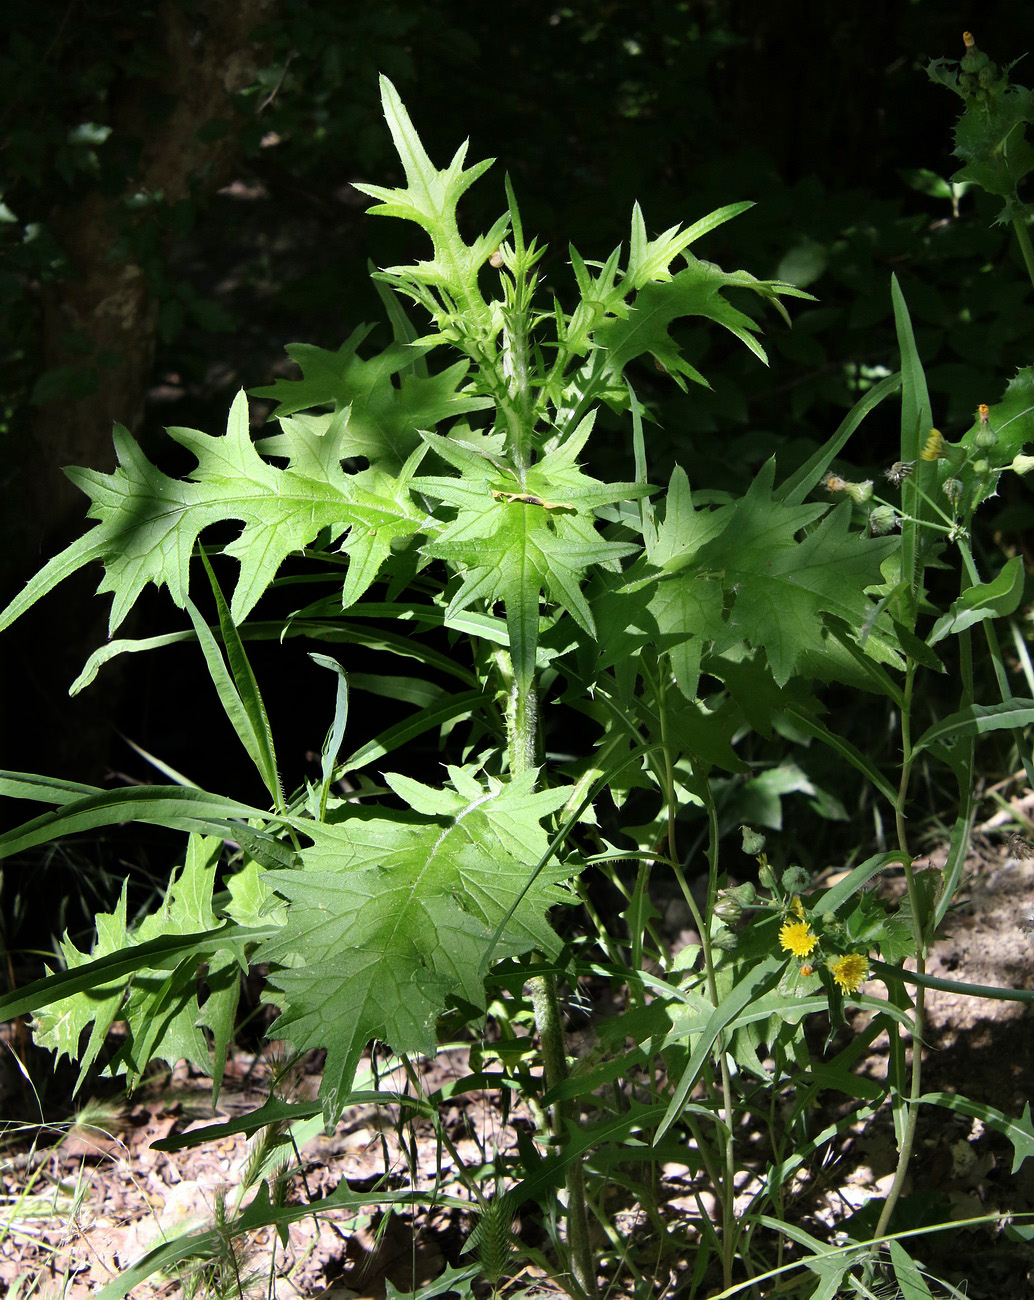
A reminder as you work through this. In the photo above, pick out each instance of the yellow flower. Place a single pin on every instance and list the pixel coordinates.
(797, 907)
(796, 937)
(850, 972)
(933, 448)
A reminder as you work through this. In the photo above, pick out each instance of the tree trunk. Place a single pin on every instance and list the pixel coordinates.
(101, 321)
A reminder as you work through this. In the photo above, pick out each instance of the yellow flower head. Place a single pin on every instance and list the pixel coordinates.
(796, 937)
(850, 972)
(797, 907)
(933, 448)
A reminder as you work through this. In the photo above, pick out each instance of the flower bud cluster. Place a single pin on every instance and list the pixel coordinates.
(811, 940)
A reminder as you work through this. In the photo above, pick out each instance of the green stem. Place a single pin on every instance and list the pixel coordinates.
(549, 1023)
(915, 1091)
(518, 409)
(1023, 239)
(514, 364)
(522, 729)
(995, 652)
(921, 912)
(908, 1134)
(726, 1187)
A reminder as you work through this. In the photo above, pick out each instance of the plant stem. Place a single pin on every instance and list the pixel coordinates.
(514, 362)
(914, 1093)
(995, 651)
(522, 736)
(726, 1187)
(1023, 239)
(907, 1142)
(550, 1027)
(549, 1023)
(524, 720)
(520, 406)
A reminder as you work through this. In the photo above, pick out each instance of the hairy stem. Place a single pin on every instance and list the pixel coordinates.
(522, 737)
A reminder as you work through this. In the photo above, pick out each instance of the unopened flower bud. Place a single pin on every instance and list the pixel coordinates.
(952, 489)
(1023, 464)
(727, 908)
(766, 877)
(745, 893)
(752, 841)
(883, 519)
(725, 940)
(795, 880)
(982, 466)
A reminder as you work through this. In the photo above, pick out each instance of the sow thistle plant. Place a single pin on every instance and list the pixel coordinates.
(436, 504)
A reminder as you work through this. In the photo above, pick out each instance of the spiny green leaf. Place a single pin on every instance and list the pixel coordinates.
(783, 585)
(391, 917)
(991, 139)
(651, 259)
(685, 612)
(160, 1009)
(684, 529)
(431, 196)
(59, 1027)
(695, 291)
(378, 419)
(332, 378)
(512, 543)
(150, 523)
(663, 612)
(518, 551)
(447, 285)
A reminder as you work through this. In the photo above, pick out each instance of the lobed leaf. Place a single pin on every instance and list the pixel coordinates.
(149, 523)
(695, 291)
(391, 918)
(160, 1007)
(378, 419)
(781, 584)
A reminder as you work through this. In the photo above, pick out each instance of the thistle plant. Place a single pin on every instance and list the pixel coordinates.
(435, 503)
